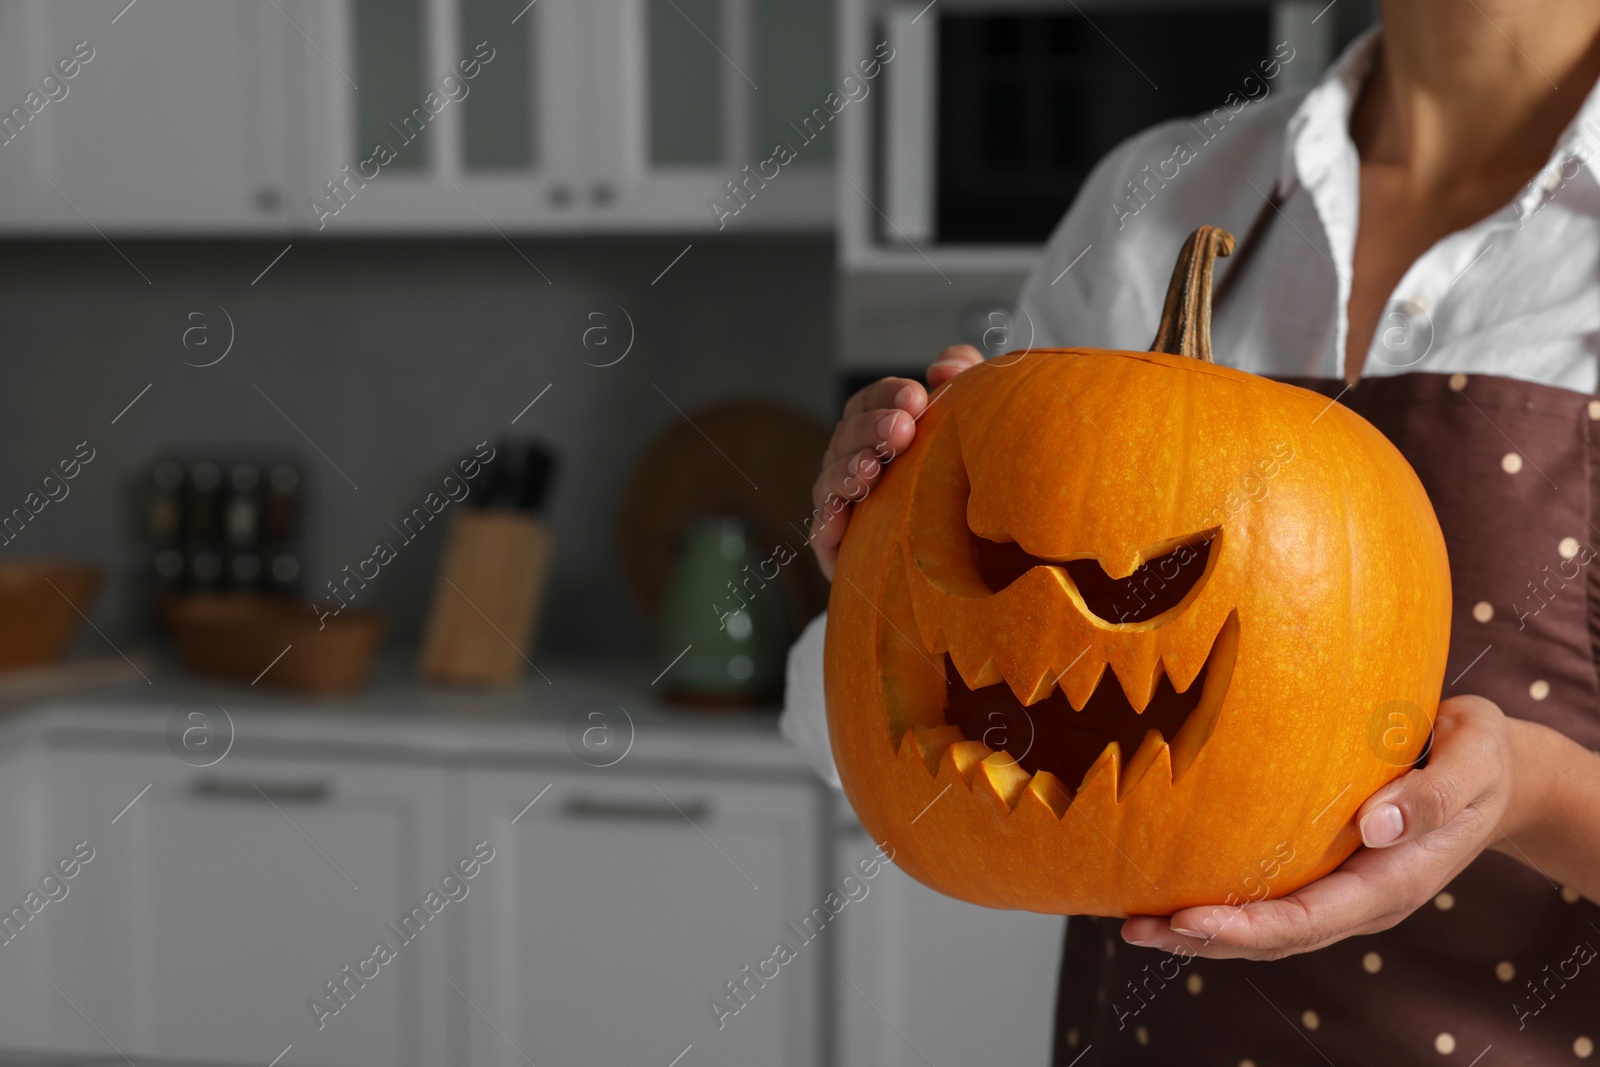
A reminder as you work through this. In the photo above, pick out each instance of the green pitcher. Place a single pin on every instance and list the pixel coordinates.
(725, 614)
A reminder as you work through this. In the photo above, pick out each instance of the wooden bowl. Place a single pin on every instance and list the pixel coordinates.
(276, 641)
(40, 601)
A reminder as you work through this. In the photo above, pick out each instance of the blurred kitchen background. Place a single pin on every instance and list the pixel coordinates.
(581, 255)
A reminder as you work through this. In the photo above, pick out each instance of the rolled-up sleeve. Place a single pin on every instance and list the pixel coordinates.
(805, 708)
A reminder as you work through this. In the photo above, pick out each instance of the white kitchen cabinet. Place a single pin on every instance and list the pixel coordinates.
(504, 147)
(923, 975)
(220, 902)
(215, 116)
(182, 119)
(619, 905)
(608, 115)
(700, 90)
(24, 803)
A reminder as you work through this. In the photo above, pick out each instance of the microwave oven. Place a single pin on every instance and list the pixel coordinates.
(993, 112)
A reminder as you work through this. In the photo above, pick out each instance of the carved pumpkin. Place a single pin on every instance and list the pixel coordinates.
(1120, 632)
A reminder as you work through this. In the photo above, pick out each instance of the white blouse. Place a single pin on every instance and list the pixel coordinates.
(1516, 294)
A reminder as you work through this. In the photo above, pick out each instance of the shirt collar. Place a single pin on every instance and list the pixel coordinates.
(1577, 150)
(1319, 130)
(1320, 126)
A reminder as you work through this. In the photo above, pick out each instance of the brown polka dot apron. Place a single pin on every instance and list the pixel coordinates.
(1500, 969)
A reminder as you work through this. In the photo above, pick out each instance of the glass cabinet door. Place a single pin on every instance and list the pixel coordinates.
(699, 95)
(390, 54)
(521, 131)
(453, 115)
(685, 125)
(794, 53)
(557, 115)
(501, 132)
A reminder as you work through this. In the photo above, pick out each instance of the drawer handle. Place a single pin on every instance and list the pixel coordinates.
(315, 792)
(635, 810)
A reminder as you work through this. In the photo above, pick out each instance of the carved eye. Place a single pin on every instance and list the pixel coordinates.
(1157, 586)
(965, 563)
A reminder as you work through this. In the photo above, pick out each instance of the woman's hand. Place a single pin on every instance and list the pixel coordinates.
(878, 424)
(1420, 830)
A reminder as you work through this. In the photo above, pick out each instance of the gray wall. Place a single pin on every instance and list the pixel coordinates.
(394, 356)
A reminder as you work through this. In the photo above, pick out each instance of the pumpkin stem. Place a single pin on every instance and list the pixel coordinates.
(1186, 319)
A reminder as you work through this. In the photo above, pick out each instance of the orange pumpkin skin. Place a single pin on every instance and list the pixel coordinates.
(1326, 582)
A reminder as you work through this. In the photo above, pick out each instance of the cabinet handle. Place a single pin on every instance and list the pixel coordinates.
(267, 199)
(602, 193)
(314, 792)
(634, 810)
(560, 195)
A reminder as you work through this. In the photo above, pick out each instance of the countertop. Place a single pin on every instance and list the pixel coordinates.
(541, 716)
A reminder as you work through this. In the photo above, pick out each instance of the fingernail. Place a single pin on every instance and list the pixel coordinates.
(886, 425)
(1189, 933)
(1383, 826)
(904, 397)
(1146, 944)
(867, 466)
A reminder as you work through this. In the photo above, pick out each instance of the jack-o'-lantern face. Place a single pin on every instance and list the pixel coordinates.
(1108, 638)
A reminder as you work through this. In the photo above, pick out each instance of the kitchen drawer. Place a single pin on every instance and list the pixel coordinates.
(622, 905)
(220, 900)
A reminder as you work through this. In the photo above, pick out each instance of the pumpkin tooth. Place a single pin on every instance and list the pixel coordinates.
(1149, 751)
(1203, 719)
(1002, 776)
(1041, 689)
(963, 757)
(931, 741)
(1028, 670)
(1098, 789)
(1033, 682)
(1079, 679)
(1046, 789)
(1103, 773)
(908, 747)
(1138, 673)
(1183, 657)
(975, 673)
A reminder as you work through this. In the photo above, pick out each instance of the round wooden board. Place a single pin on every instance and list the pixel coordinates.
(758, 464)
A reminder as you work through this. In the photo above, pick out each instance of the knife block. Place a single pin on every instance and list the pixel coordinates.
(486, 600)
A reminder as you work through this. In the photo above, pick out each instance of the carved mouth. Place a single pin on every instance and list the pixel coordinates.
(1073, 742)
(1050, 670)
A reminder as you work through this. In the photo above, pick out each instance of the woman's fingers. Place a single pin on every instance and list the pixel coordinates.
(846, 480)
(1371, 891)
(879, 423)
(1422, 830)
(904, 393)
(951, 362)
(840, 485)
(887, 432)
(1467, 762)
(826, 530)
